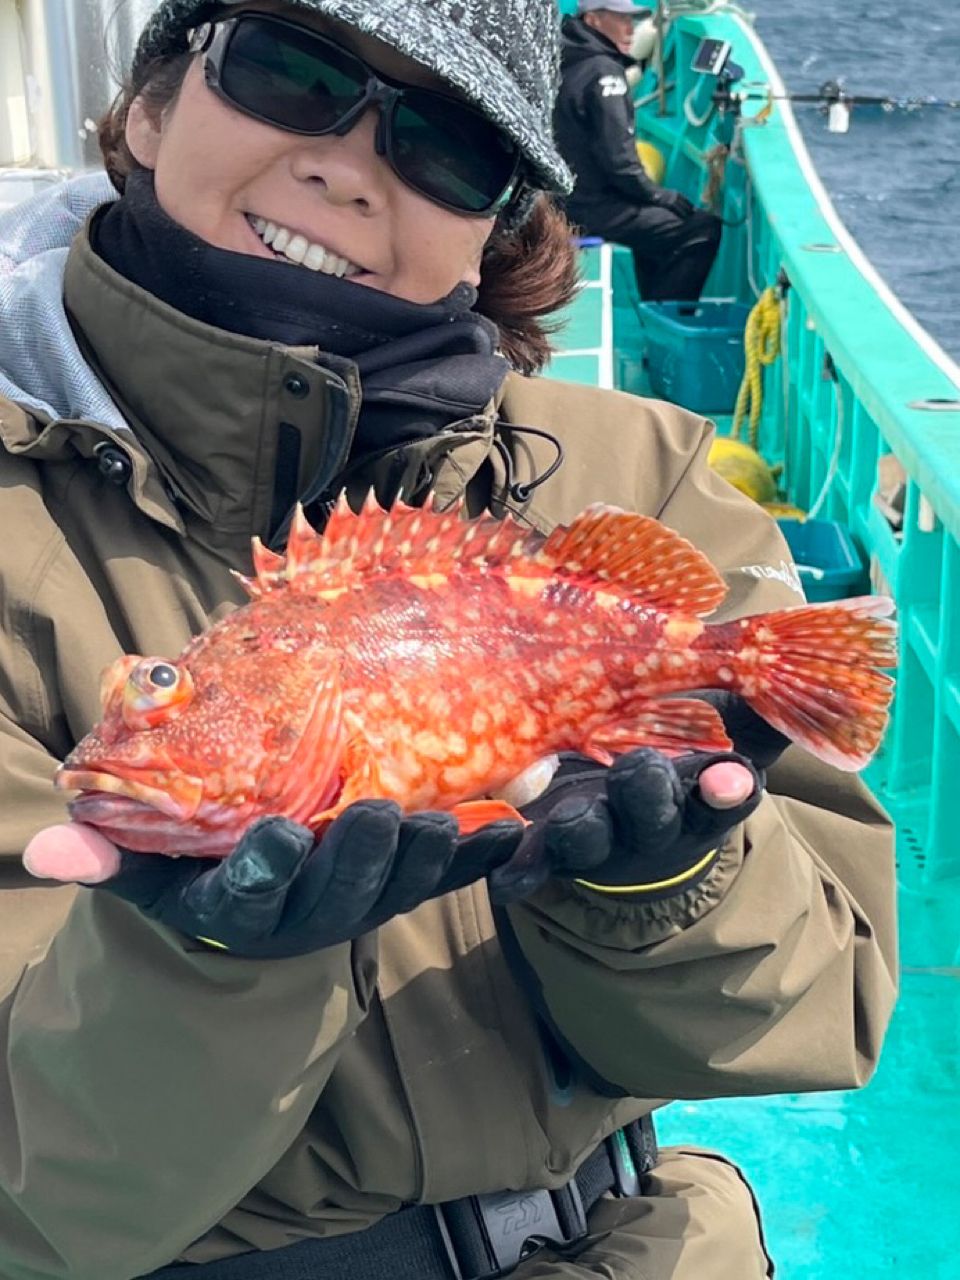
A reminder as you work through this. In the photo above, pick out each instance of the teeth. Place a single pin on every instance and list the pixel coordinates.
(297, 248)
(314, 257)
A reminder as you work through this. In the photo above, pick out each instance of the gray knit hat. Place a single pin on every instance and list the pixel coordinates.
(504, 55)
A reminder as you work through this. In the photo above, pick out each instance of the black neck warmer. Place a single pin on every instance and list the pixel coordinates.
(421, 367)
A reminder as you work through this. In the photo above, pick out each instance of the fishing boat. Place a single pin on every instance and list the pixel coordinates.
(855, 410)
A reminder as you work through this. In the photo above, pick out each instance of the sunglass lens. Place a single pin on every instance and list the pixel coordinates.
(284, 74)
(451, 153)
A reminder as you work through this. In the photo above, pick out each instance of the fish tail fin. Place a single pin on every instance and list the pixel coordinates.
(819, 677)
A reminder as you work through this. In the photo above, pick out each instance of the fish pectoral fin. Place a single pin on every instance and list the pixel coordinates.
(668, 724)
(361, 779)
(309, 779)
(474, 814)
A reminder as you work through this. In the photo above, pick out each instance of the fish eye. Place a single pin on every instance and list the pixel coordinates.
(155, 691)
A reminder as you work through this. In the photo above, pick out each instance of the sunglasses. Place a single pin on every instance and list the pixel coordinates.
(289, 76)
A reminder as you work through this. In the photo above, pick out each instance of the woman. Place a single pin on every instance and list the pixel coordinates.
(328, 268)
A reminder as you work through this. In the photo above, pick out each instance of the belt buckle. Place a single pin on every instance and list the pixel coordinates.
(513, 1225)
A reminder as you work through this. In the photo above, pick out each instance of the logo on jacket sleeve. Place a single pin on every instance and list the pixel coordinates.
(612, 86)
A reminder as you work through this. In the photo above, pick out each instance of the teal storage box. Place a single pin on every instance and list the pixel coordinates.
(827, 559)
(694, 352)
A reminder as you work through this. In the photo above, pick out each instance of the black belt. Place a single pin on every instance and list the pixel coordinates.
(476, 1238)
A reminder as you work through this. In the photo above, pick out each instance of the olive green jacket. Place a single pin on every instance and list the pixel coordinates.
(158, 1099)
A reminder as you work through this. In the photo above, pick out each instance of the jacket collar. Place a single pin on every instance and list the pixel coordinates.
(167, 373)
(225, 419)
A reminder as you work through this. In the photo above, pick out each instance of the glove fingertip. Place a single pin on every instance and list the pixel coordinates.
(268, 855)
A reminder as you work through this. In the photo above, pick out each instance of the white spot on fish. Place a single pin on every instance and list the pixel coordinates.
(429, 745)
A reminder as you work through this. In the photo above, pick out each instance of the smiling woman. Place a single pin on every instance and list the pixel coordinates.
(347, 1036)
(317, 78)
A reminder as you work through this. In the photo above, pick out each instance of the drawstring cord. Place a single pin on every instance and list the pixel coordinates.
(515, 490)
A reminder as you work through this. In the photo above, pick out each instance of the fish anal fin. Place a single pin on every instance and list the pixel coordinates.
(638, 557)
(471, 815)
(668, 724)
(530, 783)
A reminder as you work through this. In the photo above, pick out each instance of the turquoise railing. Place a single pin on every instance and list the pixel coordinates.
(860, 391)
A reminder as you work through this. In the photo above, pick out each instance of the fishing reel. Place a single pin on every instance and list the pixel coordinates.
(712, 58)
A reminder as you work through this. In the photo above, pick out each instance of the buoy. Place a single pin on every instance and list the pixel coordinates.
(784, 511)
(644, 39)
(744, 468)
(651, 157)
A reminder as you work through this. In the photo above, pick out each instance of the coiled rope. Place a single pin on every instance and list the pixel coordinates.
(761, 345)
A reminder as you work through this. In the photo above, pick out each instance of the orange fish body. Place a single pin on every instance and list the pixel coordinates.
(419, 657)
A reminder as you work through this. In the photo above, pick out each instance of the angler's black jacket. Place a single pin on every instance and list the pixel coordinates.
(594, 124)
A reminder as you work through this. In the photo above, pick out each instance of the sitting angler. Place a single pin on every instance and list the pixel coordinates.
(323, 262)
(673, 244)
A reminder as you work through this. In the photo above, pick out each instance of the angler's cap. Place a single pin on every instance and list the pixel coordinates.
(613, 6)
(503, 55)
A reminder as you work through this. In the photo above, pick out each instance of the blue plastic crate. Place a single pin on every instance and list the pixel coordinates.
(827, 559)
(694, 352)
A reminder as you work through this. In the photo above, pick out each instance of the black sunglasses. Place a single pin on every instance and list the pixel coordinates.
(290, 76)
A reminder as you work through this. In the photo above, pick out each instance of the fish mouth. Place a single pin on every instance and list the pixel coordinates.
(106, 792)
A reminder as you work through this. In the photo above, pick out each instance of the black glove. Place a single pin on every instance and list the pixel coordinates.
(640, 822)
(674, 201)
(279, 893)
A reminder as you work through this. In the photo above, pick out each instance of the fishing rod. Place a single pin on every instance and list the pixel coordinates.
(712, 58)
(833, 101)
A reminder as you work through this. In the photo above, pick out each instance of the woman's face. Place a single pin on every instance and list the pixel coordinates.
(221, 175)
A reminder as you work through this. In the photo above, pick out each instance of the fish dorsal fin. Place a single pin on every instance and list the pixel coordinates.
(637, 557)
(418, 542)
(631, 555)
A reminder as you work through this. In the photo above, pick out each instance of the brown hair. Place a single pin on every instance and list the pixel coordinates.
(527, 274)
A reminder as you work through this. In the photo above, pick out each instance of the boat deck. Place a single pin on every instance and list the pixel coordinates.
(862, 1183)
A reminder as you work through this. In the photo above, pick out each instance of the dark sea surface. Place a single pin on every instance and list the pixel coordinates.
(894, 178)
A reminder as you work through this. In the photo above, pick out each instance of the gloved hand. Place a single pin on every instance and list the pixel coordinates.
(280, 893)
(674, 201)
(646, 824)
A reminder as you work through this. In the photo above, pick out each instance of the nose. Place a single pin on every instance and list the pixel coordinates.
(346, 168)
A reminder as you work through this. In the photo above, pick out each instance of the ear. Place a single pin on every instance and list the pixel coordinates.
(142, 133)
(484, 230)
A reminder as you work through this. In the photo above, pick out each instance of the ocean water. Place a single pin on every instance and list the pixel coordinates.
(895, 177)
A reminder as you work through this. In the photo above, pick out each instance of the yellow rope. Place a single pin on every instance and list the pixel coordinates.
(761, 344)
